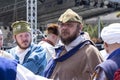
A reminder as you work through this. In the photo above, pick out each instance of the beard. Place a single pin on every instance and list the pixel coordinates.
(70, 38)
(25, 43)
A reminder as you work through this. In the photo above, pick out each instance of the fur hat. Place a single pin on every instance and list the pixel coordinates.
(20, 27)
(70, 15)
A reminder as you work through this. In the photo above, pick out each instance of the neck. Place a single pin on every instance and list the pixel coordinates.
(20, 50)
(113, 47)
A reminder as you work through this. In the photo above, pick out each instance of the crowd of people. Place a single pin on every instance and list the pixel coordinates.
(66, 53)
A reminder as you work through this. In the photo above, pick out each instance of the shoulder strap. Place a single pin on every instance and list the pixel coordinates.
(52, 63)
(72, 51)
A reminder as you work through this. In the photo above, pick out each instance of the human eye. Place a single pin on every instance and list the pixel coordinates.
(20, 36)
(27, 35)
(70, 24)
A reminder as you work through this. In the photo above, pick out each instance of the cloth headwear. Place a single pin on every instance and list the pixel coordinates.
(20, 27)
(111, 33)
(70, 15)
(1, 32)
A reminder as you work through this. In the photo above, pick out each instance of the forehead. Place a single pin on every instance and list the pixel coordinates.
(23, 33)
(69, 22)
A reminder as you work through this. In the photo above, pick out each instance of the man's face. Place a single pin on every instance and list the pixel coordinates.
(69, 31)
(23, 40)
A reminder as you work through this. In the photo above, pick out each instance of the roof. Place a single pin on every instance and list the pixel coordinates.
(4, 3)
(115, 1)
(106, 18)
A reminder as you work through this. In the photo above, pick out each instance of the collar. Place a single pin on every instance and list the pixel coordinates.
(74, 43)
(116, 52)
(50, 42)
(18, 50)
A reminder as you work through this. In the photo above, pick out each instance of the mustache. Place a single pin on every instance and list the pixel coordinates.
(25, 41)
(64, 32)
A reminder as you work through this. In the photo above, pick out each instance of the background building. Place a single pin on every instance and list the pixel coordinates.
(48, 11)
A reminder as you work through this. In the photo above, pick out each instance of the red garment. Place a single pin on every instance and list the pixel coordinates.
(50, 42)
(117, 75)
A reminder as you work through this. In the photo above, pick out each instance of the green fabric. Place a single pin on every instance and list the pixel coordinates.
(20, 27)
(70, 15)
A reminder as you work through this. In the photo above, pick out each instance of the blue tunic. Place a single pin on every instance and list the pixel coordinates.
(111, 64)
(34, 60)
(7, 69)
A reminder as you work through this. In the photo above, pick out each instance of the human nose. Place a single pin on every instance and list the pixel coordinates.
(64, 26)
(24, 37)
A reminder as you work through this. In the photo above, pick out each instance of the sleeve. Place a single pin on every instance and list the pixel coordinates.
(49, 49)
(25, 74)
(36, 62)
(99, 74)
(50, 53)
(93, 57)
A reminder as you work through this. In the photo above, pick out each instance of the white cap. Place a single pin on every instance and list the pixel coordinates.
(1, 31)
(111, 33)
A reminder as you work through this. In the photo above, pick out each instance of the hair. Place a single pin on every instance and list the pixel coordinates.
(52, 28)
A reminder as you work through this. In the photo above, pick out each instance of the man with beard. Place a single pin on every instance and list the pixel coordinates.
(28, 54)
(78, 57)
